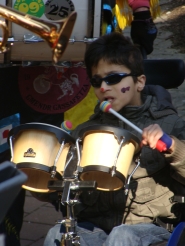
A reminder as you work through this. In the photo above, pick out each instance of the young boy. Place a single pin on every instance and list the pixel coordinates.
(115, 68)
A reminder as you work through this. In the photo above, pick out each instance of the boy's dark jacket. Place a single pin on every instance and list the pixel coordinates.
(159, 177)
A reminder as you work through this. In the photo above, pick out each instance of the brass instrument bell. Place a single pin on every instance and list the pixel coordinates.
(56, 37)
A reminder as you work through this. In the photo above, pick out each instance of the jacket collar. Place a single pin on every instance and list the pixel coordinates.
(156, 103)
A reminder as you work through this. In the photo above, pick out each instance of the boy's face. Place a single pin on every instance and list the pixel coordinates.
(122, 94)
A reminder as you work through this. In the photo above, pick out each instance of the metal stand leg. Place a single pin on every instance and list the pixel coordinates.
(70, 238)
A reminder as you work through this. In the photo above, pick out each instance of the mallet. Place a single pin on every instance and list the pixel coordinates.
(163, 143)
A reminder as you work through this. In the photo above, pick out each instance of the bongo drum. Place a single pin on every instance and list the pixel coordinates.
(42, 152)
(105, 155)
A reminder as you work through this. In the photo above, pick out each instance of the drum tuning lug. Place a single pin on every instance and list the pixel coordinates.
(113, 171)
(53, 171)
(126, 189)
(53, 174)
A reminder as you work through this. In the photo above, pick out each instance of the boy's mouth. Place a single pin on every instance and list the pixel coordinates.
(109, 99)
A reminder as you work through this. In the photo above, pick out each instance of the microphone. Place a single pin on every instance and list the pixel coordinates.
(163, 143)
(66, 126)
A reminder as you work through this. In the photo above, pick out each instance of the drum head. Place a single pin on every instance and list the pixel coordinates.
(118, 132)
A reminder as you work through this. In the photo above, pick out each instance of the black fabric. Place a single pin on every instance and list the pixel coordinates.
(28, 115)
(169, 73)
(143, 31)
(142, 15)
(12, 223)
(10, 100)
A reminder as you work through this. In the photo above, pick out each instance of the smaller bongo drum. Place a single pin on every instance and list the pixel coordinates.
(105, 155)
(42, 152)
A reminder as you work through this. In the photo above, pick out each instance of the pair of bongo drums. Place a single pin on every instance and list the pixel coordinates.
(45, 152)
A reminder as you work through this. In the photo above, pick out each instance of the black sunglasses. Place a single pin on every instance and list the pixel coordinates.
(110, 79)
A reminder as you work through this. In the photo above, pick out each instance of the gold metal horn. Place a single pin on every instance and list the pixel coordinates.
(56, 35)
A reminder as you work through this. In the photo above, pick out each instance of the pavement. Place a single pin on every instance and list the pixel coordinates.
(39, 216)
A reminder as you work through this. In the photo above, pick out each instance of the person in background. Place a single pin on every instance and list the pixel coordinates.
(138, 14)
(140, 218)
(143, 29)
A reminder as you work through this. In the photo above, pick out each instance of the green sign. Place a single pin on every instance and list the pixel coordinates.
(30, 7)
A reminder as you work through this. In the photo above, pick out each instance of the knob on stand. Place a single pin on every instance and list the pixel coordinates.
(70, 238)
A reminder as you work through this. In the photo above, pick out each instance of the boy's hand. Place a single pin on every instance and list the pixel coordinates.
(152, 134)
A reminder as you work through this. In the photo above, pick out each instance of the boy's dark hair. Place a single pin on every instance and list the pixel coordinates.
(114, 48)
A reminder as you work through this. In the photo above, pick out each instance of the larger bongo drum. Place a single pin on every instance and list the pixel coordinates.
(39, 150)
(106, 155)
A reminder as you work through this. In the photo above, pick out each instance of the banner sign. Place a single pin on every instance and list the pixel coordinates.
(51, 89)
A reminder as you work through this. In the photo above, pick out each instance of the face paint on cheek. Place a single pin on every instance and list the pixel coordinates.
(124, 89)
(102, 89)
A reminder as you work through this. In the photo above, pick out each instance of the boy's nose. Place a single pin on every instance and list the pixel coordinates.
(104, 86)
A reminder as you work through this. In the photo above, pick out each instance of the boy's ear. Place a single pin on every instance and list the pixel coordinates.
(141, 82)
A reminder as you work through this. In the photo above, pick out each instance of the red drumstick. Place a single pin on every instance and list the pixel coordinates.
(106, 107)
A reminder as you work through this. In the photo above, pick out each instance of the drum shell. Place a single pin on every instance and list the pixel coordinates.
(44, 144)
(37, 164)
(99, 152)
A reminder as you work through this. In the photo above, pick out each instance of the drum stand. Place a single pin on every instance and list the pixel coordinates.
(70, 238)
(137, 161)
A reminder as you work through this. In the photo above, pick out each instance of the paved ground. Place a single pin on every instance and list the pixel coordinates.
(40, 216)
